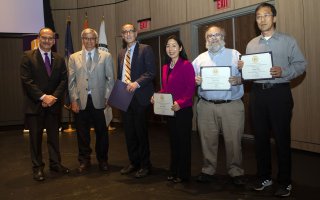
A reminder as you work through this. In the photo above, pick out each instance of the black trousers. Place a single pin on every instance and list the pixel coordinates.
(271, 109)
(84, 119)
(36, 124)
(180, 129)
(136, 132)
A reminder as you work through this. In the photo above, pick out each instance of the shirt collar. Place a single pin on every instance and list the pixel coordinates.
(218, 52)
(42, 52)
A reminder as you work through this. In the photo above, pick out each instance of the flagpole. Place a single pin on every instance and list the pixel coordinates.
(67, 48)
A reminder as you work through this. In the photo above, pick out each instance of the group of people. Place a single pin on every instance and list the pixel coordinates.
(89, 79)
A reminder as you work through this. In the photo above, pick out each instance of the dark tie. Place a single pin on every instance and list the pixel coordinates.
(47, 63)
(128, 67)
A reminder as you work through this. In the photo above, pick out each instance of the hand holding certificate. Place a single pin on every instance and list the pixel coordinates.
(257, 66)
(215, 78)
(162, 104)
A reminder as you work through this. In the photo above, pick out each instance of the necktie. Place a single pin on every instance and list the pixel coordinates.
(89, 65)
(47, 63)
(128, 67)
(89, 62)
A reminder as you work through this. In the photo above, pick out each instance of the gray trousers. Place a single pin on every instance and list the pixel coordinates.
(225, 118)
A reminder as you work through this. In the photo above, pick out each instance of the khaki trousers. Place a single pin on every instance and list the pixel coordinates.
(225, 118)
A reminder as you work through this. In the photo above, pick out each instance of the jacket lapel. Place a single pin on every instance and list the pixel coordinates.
(40, 62)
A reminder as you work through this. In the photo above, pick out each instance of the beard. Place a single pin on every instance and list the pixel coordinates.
(214, 47)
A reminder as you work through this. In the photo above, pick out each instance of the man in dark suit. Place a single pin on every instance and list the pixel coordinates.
(136, 67)
(90, 83)
(44, 79)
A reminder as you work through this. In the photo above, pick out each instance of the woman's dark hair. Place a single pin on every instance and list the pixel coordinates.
(273, 9)
(182, 53)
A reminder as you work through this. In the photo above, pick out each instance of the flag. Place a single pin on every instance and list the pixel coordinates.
(103, 46)
(68, 46)
(68, 50)
(86, 22)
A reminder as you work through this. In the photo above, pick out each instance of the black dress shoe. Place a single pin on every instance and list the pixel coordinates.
(84, 168)
(143, 172)
(205, 178)
(60, 169)
(128, 169)
(239, 180)
(103, 166)
(38, 175)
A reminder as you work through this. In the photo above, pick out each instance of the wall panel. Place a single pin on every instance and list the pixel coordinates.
(130, 12)
(10, 84)
(166, 13)
(244, 3)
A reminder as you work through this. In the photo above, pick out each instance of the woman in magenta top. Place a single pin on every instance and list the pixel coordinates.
(178, 79)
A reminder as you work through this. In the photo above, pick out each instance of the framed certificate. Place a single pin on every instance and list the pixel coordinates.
(215, 78)
(257, 66)
(162, 104)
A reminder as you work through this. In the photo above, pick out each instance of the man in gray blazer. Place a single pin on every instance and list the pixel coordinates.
(90, 84)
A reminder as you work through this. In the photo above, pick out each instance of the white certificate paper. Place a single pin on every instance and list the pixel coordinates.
(215, 78)
(256, 66)
(162, 104)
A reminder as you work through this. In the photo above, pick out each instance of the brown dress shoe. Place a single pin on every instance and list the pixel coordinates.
(84, 168)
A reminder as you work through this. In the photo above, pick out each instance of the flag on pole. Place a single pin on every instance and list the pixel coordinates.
(68, 50)
(68, 46)
(86, 22)
(103, 46)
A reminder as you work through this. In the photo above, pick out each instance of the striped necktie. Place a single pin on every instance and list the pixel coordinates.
(128, 67)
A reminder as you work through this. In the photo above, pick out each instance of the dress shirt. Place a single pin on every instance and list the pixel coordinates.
(224, 57)
(285, 53)
(92, 54)
(43, 56)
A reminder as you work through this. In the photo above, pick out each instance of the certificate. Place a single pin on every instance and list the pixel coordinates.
(162, 104)
(256, 66)
(215, 78)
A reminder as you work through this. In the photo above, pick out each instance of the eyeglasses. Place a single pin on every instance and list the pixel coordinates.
(125, 32)
(265, 16)
(50, 39)
(216, 35)
(89, 39)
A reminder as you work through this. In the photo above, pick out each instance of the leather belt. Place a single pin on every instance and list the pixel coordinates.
(265, 86)
(216, 101)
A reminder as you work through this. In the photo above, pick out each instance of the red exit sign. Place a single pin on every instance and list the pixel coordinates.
(144, 24)
(222, 4)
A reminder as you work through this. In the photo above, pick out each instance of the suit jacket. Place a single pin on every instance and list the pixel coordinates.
(180, 82)
(36, 82)
(101, 78)
(142, 71)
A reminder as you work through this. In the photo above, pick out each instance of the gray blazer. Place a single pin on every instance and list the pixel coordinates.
(101, 78)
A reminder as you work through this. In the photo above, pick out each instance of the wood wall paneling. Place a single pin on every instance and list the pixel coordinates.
(312, 49)
(199, 9)
(130, 12)
(288, 15)
(61, 4)
(244, 3)
(10, 86)
(166, 13)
